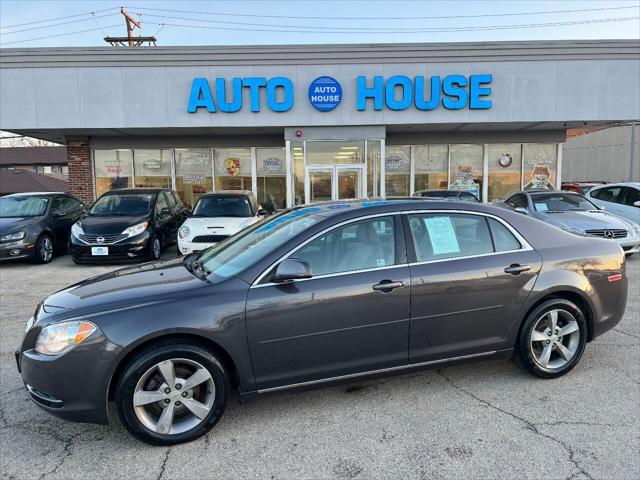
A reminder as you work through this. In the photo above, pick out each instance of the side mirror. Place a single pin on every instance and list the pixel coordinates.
(521, 210)
(165, 211)
(291, 269)
(636, 204)
(262, 212)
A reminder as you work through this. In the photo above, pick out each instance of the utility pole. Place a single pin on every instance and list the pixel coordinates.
(131, 24)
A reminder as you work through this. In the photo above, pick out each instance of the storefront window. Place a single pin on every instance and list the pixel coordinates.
(466, 168)
(232, 168)
(332, 153)
(540, 165)
(373, 167)
(194, 173)
(272, 179)
(113, 169)
(505, 170)
(297, 157)
(397, 171)
(152, 168)
(431, 167)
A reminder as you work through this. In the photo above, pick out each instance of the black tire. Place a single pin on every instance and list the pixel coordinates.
(146, 360)
(525, 353)
(39, 255)
(155, 248)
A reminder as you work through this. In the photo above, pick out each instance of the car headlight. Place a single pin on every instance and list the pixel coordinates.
(636, 229)
(60, 337)
(184, 232)
(76, 230)
(135, 230)
(13, 236)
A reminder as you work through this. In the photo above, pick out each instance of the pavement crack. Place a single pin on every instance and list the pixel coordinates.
(164, 464)
(627, 333)
(529, 425)
(68, 443)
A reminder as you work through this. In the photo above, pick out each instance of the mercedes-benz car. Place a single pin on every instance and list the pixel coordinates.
(320, 294)
(577, 214)
(216, 216)
(35, 225)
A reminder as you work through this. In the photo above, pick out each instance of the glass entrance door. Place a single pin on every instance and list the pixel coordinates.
(336, 182)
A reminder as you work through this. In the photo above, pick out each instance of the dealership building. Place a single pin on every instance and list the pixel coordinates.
(298, 124)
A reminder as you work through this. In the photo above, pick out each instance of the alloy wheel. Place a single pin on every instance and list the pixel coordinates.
(174, 396)
(555, 339)
(46, 249)
(156, 248)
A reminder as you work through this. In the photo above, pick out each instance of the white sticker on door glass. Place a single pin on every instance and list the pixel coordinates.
(443, 235)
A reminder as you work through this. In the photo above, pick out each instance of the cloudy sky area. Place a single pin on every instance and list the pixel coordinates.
(70, 22)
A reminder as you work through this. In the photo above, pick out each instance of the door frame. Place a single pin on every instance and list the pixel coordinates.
(334, 169)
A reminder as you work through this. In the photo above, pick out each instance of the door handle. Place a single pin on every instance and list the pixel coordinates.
(387, 285)
(517, 269)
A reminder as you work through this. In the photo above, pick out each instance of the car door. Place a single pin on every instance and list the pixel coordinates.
(65, 211)
(176, 217)
(342, 320)
(162, 220)
(470, 276)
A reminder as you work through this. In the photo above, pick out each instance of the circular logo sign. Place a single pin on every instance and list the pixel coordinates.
(325, 93)
(505, 160)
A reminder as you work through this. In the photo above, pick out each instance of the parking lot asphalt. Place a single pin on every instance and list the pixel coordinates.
(481, 420)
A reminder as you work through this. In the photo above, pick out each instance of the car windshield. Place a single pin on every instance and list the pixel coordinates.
(223, 206)
(558, 202)
(131, 204)
(14, 207)
(246, 248)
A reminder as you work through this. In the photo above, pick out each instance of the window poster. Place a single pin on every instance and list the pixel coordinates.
(443, 235)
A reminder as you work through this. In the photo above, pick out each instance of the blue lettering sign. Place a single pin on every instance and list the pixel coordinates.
(287, 87)
(434, 100)
(406, 99)
(453, 87)
(476, 91)
(376, 92)
(254, 84)
(200, 96)
(221, 95)
(325, 93)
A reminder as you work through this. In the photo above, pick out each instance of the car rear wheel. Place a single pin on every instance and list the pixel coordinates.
(172, 393)
(44, 249)
(553, 338)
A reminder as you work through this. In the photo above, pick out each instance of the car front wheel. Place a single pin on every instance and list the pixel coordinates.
(156, 248)
(44, 249)
(172, 393)
(553, 338)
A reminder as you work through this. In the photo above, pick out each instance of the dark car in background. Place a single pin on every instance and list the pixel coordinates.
(459, 195)
(35, 225)
(128, 224)
(319, 294)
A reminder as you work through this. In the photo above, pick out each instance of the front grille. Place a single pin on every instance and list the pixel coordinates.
(608, 233)
(210, 238)
(107, 238)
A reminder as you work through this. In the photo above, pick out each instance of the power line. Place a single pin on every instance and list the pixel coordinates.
(427, 30)
(54, 19)
(435, 17)
(58, 35)
(61, 23)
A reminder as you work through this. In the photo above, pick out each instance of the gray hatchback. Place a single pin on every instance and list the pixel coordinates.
(319, 294)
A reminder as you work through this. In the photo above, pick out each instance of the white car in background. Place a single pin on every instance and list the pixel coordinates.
(623, 199)
(217, 216)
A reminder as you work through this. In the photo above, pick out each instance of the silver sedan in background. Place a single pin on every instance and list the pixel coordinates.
(576, 214)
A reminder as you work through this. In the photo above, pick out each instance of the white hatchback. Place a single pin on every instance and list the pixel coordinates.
(217, 216)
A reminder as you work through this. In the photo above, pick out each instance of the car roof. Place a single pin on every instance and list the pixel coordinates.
(246, 193)
(36, 194)
(117, 191)
(621, 184)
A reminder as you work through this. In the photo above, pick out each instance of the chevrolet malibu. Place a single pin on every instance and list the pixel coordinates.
(314, 296)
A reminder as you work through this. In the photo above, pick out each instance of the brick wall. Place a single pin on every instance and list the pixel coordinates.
(80, 175)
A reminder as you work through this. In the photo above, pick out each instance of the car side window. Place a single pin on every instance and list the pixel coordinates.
(64, 205)
(631, 195)
(517, 200)
(356, 246)
(503, 239)
(161, 203)
(171, 202)
(438, 236)
(608, 194)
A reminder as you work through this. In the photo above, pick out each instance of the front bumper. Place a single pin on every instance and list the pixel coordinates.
(185, 247)
(72, 386)
(131, 249)
(16, 250)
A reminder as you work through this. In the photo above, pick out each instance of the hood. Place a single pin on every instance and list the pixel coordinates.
(109, 225)
(10, 224)
(584, 220)
(217, 225)
(147, 283)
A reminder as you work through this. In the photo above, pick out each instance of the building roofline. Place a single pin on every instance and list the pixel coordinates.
(320, 54)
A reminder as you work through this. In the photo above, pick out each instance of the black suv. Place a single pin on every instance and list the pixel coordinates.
(34, 225)
(128, 224)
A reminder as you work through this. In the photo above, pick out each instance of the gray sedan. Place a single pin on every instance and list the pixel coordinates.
(574, 213)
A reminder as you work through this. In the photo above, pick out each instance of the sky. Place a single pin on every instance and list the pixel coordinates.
(70, 23)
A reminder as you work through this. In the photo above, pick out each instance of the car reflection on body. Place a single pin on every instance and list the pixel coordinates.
(217, 216)
(317, 295)
(576, 214)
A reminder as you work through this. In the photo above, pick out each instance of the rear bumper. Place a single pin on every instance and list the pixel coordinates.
(72, 386)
